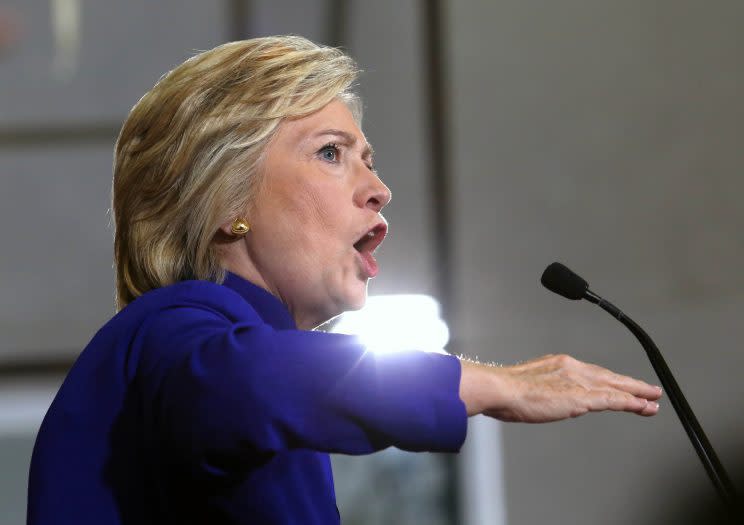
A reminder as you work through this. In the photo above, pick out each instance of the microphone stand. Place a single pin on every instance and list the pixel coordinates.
(705, 452)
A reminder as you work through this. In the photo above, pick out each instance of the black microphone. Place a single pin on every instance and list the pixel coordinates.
(562, 281)
(559, 279)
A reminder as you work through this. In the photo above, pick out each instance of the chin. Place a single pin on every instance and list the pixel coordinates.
(356, 305)
(357, 299)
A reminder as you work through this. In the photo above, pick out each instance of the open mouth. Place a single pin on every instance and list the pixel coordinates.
(369, 242)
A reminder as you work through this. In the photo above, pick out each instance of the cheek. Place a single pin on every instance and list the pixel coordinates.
(318, 212)
(306, 226)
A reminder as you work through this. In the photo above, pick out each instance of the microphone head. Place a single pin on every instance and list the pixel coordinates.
(559, 279)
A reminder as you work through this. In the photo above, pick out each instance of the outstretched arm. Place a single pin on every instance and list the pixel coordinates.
(551, 388)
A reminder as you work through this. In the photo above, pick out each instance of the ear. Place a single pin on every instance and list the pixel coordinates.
(224, 234)
(225, 229)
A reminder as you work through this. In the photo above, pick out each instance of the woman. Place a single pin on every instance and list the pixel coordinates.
(247, 211)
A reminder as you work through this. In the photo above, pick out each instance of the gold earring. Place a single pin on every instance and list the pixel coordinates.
(240, 227)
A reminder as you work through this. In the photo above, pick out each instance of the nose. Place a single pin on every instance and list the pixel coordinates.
(374, 194)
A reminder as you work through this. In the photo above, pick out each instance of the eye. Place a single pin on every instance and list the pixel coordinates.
(329, 152)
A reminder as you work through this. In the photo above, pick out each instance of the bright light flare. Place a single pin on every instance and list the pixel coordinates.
(395, 323)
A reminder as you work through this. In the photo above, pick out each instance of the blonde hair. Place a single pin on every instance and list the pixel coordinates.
(187, 156)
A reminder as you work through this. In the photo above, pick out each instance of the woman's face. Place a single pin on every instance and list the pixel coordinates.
(317, 217)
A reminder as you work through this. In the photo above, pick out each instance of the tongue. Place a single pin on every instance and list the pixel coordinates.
(369, 263)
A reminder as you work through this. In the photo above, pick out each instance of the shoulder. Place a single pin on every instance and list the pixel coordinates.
(164, 324)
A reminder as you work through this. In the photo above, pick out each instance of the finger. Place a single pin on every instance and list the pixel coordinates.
(651, 409)
(617, 400)
(636, 387)
(628, 384)
(622, 401)
(648, 408)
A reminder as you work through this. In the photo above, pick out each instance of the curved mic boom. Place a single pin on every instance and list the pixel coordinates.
(562, 281)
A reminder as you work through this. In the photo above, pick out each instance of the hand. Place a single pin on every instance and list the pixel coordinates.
(552, 388)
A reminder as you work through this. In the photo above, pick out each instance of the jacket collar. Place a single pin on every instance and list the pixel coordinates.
(269, 308)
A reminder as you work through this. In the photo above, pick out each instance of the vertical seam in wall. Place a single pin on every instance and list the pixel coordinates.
(238, 13)
(437, 112)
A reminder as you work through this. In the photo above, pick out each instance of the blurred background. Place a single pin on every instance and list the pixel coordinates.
(603, 134)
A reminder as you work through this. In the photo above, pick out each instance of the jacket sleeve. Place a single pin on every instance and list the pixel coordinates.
(224, 389)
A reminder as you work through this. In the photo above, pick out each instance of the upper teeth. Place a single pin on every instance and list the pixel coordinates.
(370, 234)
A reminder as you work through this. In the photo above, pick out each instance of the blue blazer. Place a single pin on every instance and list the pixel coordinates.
(203, 403)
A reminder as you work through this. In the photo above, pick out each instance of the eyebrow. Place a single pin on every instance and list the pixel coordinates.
(367, 153)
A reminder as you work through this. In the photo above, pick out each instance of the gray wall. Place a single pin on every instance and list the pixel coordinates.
(57, 282)
(607, 135)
